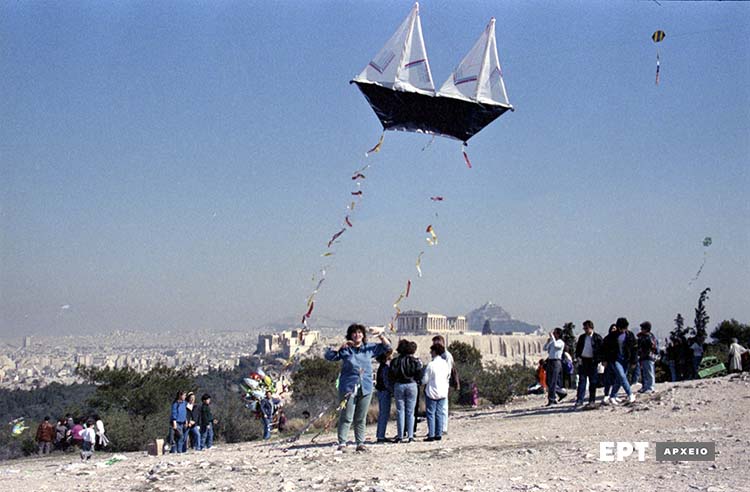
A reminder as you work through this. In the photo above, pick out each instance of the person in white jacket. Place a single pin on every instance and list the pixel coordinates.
(436, 377)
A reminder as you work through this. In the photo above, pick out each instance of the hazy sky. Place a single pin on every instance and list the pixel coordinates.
(183, 164)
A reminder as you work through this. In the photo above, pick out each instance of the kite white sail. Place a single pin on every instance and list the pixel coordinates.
(479, 76)
(402, 64)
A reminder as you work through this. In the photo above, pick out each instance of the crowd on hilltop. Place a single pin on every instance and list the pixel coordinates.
(619, 360)
(398, 379)
(85, 434)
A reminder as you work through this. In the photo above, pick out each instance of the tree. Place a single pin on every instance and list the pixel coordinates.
(314, 384)
(465, 354)
(486, 328)
(679, 331)
(701, 316)
(569, 337)
(728, 329)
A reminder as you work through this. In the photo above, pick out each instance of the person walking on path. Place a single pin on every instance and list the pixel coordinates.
(647, 350)
(266, 414)
(554, 347)
(89, 439)
(436, 380)
(405, 371)
(355, 381)
(620, 352)
(588, 355)
(45, 436)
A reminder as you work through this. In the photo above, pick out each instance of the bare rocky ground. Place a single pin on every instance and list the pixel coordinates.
(522, 446)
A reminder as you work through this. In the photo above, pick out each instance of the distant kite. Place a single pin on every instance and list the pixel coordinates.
(707, 241)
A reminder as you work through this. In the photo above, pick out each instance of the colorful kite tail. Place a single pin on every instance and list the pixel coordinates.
(376, 149)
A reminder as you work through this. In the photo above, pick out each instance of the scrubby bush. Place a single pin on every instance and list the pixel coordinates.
(499, 384)
(314, 385)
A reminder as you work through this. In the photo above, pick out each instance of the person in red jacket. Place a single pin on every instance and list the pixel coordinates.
(45, 436)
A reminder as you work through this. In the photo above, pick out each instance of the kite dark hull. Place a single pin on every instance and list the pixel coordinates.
(413, 112)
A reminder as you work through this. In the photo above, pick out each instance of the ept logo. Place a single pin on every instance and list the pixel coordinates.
(618, 451)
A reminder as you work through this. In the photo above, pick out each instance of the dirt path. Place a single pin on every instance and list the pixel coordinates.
(523, 446)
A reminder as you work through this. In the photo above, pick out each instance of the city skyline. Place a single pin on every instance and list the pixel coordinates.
(172, 167)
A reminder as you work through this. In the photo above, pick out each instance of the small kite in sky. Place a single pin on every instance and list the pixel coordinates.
(707, 241)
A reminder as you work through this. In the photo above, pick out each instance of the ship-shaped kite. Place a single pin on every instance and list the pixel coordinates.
(398, 85)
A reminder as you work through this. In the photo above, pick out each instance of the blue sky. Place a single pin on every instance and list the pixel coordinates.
(169, 165)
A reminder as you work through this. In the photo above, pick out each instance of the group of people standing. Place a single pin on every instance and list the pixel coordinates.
(190, 425)
(86, 434)
(398, 378)
(603, 362)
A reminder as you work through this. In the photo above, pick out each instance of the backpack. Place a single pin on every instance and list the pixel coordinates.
(646, 346)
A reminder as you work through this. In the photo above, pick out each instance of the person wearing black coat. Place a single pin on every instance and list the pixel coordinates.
(620, 352)
(405, 370)
(588, 355)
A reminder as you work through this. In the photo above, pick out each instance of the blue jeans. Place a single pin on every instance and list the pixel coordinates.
(355, 413)
(636, 374)
(621, 378)
(406, 400)
(178, 443)
(647, 371)
(384, 412)
(443, 410)
(266, 427)
(207, 437)
(195, 437)
(434, 417)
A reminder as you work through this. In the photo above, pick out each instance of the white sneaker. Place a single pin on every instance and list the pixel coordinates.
(631, 398)
(605, 400)
(615, 401)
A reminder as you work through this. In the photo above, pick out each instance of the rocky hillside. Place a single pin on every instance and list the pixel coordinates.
(523, 446)
(500, 320)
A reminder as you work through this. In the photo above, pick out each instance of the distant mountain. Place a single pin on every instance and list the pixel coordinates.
(500, 320)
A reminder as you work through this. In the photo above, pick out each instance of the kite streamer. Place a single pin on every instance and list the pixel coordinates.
(466, 157)
(437, 198)
(657, 68)
(357, 193)
(658, 37)
(335, 237)
(357, 176)
(376, 149)
(348, 222)
(433, 240)
(419, 264)
(408, 287)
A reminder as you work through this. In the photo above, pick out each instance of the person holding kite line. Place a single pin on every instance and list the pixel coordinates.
(355, 381)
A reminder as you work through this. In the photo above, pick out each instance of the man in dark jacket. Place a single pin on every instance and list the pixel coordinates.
(620, 351)
(588, 355)
(45, 436)
(206, 422)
